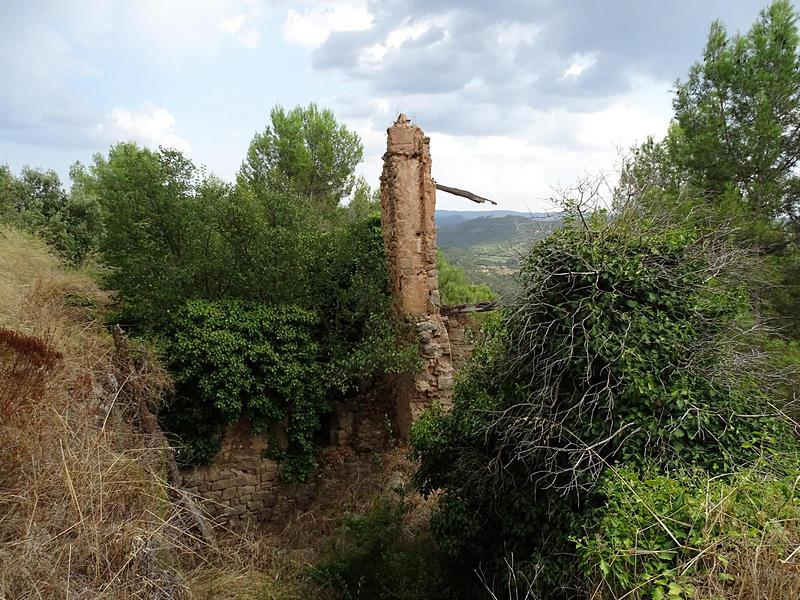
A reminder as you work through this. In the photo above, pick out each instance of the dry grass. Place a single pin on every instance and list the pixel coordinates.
(82, 515)
(85, 511)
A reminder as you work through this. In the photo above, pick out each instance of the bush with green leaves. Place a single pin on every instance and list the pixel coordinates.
(233, 360)
(685, 534)
(348, 287)
(454, 286)
(182, 245)
(70, 222)
(371, 556)
(621, 349)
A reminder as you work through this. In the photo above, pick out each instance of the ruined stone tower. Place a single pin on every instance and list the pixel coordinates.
(408, 201)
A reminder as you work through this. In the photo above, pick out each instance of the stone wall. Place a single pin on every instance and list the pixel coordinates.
(240, 481)
(408, 202)
(460, 328)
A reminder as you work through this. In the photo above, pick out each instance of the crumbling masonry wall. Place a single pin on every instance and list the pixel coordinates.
(242, 483)
(408, 202)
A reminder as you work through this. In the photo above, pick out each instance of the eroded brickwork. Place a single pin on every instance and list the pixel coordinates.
(460, 330)
(408, 202)
(241, 483)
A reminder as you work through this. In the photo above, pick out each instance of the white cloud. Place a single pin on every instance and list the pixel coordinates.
(580, 63)
(245, 27)
(371, 57)
(151, 127)
(511, 34)
(233, 24)
(521, 168)
(311, 27)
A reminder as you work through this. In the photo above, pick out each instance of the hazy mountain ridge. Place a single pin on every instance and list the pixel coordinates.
(487, 247)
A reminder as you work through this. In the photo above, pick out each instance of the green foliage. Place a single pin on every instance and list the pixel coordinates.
(615, 352)
(737, 113)
(655, 532)
(154, 229)
(304, 152)
(175, 238)
(69, 222)
(730, 155)
(365, 202)
(370, 556)
(454, 287)
(348, 285)
(232, 360)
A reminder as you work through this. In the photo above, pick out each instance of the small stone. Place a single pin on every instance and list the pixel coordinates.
(445, 383)
(431, 349)
(222, 484)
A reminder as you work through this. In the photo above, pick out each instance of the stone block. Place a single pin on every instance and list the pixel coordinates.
(431, 349)
(249, 479)
(229, 493)
(221, 484)
(259, 495)
(445, 382)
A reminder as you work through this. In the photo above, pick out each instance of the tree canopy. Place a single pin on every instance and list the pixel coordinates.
(305, 152)
(738, 115)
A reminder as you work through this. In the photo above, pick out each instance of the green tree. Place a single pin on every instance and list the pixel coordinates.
(454, 286)
(731, 152)
(155, 229)
(9, 193)
(305, 152)
(620, 349)
(365, 202)
(70, 222)
(738, 116)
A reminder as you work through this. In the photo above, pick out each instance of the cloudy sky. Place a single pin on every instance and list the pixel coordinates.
(519, 97)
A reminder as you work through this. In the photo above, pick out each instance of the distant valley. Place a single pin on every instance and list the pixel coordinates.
(487, 244)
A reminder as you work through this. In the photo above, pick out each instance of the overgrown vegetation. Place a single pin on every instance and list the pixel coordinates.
(456, 289)
(619, 351)
(213, 271)
(626, 431)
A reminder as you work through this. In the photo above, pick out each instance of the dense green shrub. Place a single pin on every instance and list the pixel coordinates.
(371, 556)
(618, 350)
(659, 536)
(348, 287)
(232, 360)
(454, 287)
(71, 222)
(174, 237)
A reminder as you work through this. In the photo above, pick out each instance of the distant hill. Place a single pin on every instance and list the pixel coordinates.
(487, 247)
(448, 218)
